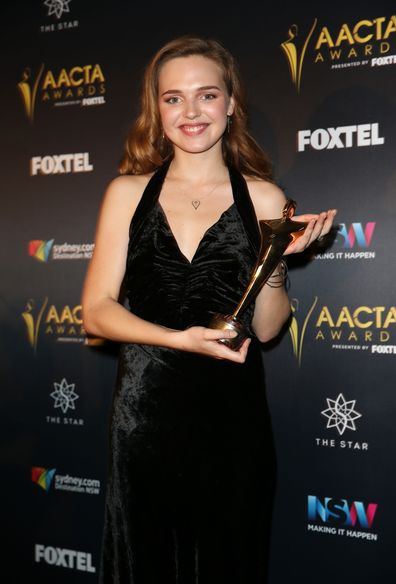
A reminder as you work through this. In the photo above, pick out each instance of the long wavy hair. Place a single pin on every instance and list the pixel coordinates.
(146, 148)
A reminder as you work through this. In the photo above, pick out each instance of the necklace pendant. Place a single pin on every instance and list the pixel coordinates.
(195, 204)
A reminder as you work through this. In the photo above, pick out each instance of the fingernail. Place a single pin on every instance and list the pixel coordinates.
(232, 334)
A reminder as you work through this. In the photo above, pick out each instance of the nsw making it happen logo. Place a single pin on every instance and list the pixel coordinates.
(340, 517)
(355, 240)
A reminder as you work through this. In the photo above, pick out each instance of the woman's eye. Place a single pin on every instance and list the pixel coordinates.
(209, 96)
(173, 99)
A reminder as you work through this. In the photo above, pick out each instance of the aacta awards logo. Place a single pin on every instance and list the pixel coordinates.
(364, 42)
(81, 85)
(364, 328)
(333, 516)
(341, 415)
(60, 323)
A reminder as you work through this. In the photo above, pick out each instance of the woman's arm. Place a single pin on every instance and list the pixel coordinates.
(272, 304)
(103, 315)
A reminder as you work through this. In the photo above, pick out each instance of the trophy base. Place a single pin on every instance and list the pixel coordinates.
(224, 322)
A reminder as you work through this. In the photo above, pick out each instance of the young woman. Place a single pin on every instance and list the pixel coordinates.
(192, 466)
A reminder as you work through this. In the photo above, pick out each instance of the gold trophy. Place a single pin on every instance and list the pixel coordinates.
(276, 235)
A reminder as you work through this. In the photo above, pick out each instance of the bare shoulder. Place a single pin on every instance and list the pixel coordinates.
(267, 198)
(125, 191)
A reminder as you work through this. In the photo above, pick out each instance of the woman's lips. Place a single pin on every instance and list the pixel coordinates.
(193, 129)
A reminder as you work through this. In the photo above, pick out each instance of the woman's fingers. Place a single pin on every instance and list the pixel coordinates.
(318, 226)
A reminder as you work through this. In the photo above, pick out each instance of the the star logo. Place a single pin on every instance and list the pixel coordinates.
(64, 396)
(341, 414)
(57, 7)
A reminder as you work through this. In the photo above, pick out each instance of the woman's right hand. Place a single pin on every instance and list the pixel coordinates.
(198, 339)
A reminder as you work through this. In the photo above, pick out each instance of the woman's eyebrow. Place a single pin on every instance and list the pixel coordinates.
(203, 88)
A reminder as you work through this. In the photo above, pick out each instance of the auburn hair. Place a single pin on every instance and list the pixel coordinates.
(146, 149)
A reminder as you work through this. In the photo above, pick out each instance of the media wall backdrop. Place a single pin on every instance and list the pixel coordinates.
(321, 86)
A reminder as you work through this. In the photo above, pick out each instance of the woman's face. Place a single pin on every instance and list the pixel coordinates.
(193, 103)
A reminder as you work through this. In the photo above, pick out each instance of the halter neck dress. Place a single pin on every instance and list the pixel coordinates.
(191, 471)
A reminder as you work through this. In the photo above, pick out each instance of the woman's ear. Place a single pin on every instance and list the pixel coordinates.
(231, 106)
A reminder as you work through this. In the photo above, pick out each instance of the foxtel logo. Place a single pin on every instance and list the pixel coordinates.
(64, 558)
(340, 137)
(60, 164)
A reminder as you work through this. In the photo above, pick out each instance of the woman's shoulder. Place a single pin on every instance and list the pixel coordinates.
(126, 190)
(268, 198)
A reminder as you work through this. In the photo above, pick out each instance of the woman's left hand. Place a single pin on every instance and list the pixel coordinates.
(318, 226)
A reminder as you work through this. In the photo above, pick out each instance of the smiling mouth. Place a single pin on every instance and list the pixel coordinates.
(193, 130)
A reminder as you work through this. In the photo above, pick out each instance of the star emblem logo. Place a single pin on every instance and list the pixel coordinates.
(341, 414)
(64, 396)
(57, 7)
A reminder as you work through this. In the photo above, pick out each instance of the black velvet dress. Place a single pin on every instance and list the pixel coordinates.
(192, 467)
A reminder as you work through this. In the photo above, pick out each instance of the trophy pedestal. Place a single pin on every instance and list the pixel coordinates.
(228, 322)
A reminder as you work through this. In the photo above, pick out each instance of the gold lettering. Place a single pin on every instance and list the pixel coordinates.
(368, 50)
(378, 315)
(57, 94)
(325, 316)
(66, 315)
(356, 29)
(60, 329)
(384, 48)
(97, 74)
(352, 53)
(335, 54)
(77, 316)
(102, 88)
(80, 92)
(390, 317)
(368, 335)
(73, 72)
(72, 330)
(63, 79)
(345, 317)
(357, 313)
(344, 35)
(48, 80)
(378, 27)
(69, 93)
(352, 336)
(336, 335)
(384, 336)
(320, 336)
(324, 38)
(391, 27)
(45, 96)
(52, 314)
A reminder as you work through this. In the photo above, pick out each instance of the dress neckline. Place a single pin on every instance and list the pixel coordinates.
(201, 241)
(241, 198)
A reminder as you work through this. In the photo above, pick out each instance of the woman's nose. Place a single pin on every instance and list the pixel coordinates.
(192, 109)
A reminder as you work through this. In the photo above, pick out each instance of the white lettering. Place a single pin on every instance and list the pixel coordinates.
(341, 137)
(60, 164)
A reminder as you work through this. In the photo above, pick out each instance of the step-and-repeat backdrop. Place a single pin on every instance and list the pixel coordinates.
(321, 88)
